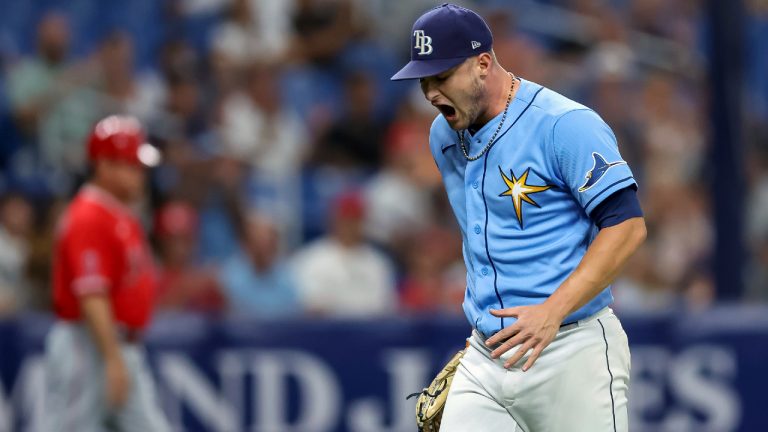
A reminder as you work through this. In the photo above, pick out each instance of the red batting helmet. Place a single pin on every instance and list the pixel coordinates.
(120, 137)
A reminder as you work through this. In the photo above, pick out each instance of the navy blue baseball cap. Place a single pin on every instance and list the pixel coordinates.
(442, 38)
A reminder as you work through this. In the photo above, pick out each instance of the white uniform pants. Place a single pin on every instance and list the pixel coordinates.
(578, 384)
(76, 389)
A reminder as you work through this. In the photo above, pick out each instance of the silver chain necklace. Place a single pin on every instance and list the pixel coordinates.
(501, 124)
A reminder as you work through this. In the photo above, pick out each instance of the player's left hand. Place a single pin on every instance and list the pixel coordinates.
(535, 328)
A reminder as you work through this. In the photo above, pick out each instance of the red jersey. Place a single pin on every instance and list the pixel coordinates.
(101, 248)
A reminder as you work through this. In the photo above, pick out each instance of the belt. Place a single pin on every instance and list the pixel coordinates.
(563, 327)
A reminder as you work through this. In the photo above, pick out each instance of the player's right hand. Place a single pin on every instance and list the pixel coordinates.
(118, 384)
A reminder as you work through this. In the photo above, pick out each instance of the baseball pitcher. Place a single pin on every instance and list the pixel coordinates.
(548, 214)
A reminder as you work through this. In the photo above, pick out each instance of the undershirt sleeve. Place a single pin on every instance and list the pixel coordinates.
(618, 207)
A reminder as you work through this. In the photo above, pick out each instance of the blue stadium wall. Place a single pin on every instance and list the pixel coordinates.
(703, 373)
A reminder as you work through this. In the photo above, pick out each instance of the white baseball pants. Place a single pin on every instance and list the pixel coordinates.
(578, 384)
(75, 398)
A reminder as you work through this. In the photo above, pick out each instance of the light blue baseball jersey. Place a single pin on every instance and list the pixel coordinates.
(523, 207)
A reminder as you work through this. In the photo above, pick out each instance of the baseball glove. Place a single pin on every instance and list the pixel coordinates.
(431, 401)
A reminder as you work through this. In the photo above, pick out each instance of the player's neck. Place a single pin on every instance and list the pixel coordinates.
(112, 192)
(498, 93)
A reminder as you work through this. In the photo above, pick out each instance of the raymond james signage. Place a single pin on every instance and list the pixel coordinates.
(353, 376)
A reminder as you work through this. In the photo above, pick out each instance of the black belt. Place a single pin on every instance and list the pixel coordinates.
(563, 327)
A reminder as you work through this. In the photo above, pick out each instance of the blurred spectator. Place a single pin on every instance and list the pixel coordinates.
(183, 283)
(673, 143)
(36, 83)
(178, 125)
(339, 274)
(16, 223)
(698, 288)
(323, 28)
(236, 41)
(259, 130)
(182, 121)
(256, 279)
(121, 91)
(681, 230)
(640, 289)
(398, 196)
(178, 59)
(221, 207)
(254, 30)
(184, 105)
(429, 284)
(51, 103)
(610, 90)
(271, 141)
(354, 140)
(651, 16)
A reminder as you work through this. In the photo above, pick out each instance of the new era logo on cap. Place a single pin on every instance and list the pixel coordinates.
(444, 37)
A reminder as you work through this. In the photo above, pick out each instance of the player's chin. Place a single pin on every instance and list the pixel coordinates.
(456, 122)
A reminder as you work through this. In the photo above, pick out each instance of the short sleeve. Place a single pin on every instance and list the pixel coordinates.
(588, 158)
(91, 257)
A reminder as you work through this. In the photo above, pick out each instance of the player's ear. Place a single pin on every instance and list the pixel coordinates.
(484, 63)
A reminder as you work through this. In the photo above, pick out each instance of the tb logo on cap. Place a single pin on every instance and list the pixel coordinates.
(423, 42)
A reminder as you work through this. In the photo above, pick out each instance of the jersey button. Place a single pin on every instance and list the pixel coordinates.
(484, 271)
(475, 185)
(477, 229)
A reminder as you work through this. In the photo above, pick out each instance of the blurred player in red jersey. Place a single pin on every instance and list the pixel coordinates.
(103, 291)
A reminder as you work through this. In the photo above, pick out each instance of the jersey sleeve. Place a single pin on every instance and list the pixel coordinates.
(91, 257)
(588, 158)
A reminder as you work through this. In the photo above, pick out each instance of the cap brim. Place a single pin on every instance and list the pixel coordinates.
(424, 68)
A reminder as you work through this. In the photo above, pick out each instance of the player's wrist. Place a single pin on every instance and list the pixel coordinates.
(559, 308)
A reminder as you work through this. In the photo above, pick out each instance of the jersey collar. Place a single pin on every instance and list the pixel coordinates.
(103, 198)
(524, 94)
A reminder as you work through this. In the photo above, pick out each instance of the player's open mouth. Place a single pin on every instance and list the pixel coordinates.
(447, 111)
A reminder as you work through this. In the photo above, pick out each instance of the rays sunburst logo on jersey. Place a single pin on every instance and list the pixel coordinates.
(519, 190)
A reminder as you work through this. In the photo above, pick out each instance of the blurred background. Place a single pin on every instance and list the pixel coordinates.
(311, 271)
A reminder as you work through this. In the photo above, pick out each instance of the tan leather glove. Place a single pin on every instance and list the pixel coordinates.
(431, 401)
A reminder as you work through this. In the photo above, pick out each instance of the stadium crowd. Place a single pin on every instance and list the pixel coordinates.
(297, 178)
